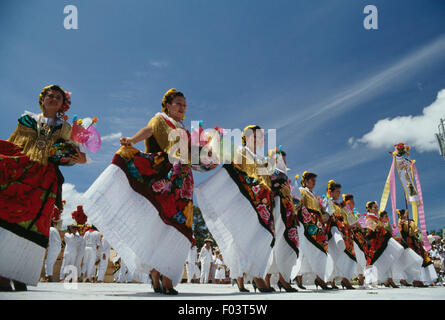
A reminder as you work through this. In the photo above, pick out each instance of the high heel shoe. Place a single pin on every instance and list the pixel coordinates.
(419, 284)
(261, 289)
(344, 284)
(321, 284)
(241, 289)
(300, 285)
(19, 286)
(169, 291)
(334, 287)
(393, 285)
(156, 290)
(405, 283)
(289, 289)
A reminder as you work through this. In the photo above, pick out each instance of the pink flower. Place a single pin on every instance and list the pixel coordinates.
(159, 185)
(293, 235)
(177, 168)
(263, 212)
(187, 188)
(256, 189)
(306, 215)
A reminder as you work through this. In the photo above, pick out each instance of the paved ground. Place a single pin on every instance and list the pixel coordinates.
(110, 291)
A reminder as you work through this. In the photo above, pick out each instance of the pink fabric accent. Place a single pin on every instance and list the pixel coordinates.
(421, 211)
(79, 134)
(392, 188)
(94, 142)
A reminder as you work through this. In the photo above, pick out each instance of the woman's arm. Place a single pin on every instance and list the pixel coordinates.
(142, 134)
(78, 158)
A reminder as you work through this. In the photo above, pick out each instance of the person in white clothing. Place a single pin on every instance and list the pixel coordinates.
(220, 268)
(92, 243)
(70, 252)
(205, 259)
(80, 253)
(191, 265)
(54, 246)
(104, 253)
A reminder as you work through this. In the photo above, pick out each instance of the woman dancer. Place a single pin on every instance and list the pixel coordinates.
(341, 242)
(348, 205)
(314, 258)
(381, 250)
(411, 235)
(236, 203)
(31, 187)
(143, 202)
(285, 250)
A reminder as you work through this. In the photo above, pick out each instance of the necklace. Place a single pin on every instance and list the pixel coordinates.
(42, 141)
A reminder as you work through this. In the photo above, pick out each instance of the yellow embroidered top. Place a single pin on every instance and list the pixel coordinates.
(245, 162)
(373, 222)
(408, 227)
(309, 200)
(25, 136)
(159, 141)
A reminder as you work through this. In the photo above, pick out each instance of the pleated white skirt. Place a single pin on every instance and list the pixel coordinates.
(244, 243)
(132, 226)
(21, 259)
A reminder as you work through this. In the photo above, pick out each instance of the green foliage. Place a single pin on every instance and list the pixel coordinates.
(200, 229)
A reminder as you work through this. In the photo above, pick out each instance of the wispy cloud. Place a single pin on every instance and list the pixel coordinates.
(111, 137)
(160, 64)
(361, 91)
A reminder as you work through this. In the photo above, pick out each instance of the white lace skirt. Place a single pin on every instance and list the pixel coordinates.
(244, 243)
(345, 267)
(132, 226)
(283, 257)
(20, 259)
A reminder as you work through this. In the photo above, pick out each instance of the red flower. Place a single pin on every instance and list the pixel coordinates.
(144, 166)
(293, 235)
(263, 212)
(168, 204)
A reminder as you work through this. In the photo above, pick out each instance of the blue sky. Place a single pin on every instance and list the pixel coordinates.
(307, 68)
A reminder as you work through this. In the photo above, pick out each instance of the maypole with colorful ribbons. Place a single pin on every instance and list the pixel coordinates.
(409, 178)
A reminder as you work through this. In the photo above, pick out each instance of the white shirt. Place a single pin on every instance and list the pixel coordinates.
(71, 243)
(54, 240)
(92, 239)
(191, 257)
(104, 246)
(205, 256)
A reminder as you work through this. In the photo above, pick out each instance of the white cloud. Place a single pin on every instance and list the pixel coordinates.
(360, 91)
(416, 131)
(159, 63)
(111, 137)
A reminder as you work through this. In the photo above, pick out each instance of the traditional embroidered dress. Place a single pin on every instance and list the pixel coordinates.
(236, 204)
(314, 259)
(285, 251)
(381, 250)
(407, 267)
(143, 204)
(359, 254)
(411, 235)
(341, 241)
(30, 186)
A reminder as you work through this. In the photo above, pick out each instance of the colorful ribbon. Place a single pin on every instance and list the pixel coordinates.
(426, 243)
